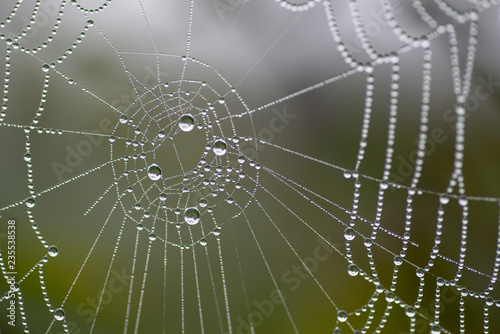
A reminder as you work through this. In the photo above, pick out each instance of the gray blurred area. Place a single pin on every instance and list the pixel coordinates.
(266, 53)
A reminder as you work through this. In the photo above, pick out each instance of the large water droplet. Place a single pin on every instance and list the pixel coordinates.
(463, 201)
(342, 316)
(154, 172)
(353, 270)
(59, 314)
(349, 234)
(220, 147)
(123, 119)
(30, 202)
(191, 216)
(53, 251)
(444, 199)
(435, 329)
(398, 260)
(410, 311)
(186, 123)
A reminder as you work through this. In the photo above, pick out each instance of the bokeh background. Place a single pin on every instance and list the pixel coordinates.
(266, 52)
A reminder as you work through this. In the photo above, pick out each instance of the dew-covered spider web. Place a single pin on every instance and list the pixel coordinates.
(232, 166)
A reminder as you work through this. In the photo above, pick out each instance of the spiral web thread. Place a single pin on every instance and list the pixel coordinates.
(202, 258)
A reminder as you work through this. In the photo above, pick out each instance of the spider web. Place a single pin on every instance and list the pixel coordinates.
(245, 167)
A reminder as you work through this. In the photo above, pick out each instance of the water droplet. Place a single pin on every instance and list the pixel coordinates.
(152, 237)
(138, 206)
(398, 260)
(191, 216)
(203, 203)
(342, 316)
(186, 123)
(490, 301)
(241, 159)
(161, 134)
(220, 147)
(349, 234)
(389, 296)
(410, 311)
(444, 199)
(203, 242)
(353, 270)
(163, 197)
(30, 202)
(435, 329)
(463, 201)
(112, 139)
(123, 119)
(154, 172)
(337, 331)
(53, 251)
(368, 242)
(90, 23)
(420, 272)
(27, 157)
(221, 100)
(59, 314)
(45, 68)
(216, 231)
